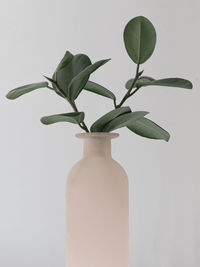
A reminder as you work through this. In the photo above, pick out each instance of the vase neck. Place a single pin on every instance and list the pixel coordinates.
(97, 144)
(98, 147)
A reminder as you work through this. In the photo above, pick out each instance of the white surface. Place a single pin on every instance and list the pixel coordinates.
(35, 159)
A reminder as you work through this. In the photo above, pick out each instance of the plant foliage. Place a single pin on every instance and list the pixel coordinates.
(72, 76)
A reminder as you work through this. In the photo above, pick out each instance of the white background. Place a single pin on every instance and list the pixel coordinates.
(35, 159)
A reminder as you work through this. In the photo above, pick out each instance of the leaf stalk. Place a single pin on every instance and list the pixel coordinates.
(128, 94)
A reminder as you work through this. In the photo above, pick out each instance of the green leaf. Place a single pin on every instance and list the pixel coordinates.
(140, 73)
(149, 129)
(170, 82)
(99, 124)
(139, 39)
(124, 120)
(54, 80)
(99, 89)
(80, 80)
(139, 83)
(129, 84)
(63, 63)
(73, 117)
(17, 92)
(65, 75)
(50, 79)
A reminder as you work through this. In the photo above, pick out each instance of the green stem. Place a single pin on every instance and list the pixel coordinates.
(135, 91)
(128, 94)
(82, 125)
(115, 104)
(73, 105)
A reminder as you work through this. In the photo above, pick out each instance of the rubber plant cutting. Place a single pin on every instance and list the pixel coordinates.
(72, 76)
(97, 193)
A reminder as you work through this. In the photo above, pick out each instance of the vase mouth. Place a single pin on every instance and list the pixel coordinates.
(97, 135)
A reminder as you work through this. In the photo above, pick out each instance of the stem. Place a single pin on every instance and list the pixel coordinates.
(135, 91)
(82, 125)
(115, 104)
(128, 94)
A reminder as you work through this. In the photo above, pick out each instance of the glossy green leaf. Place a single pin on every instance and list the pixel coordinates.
(79, 81)
(149, 129)
(170, 82)
(98, 89)
(65, 75)
(99, 124)
(124, 120)
(139, 83)
(73, 117)
(17, 92)
(139, 39)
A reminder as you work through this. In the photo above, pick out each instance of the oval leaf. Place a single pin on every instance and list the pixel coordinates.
(139, 82)
(139, 39)
(124, 120)
(80, 80)
(99, 89)
(17, 92)
(98, 125)
(73, 117)
(149, 129)
(170, 82)
(64, 76)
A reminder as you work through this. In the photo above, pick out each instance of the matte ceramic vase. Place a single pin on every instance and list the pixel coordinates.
(97, 231)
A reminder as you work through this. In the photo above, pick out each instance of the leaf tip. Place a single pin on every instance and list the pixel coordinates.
(106, 60)
(190, 85)
(167, 137)
(43, 121)
(9, 96)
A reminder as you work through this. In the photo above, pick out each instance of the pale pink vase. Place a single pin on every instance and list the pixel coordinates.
(97, 207)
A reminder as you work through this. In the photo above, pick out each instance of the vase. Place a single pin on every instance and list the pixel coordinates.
(97, 207)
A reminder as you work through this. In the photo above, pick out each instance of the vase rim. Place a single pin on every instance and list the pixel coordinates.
(97, 135)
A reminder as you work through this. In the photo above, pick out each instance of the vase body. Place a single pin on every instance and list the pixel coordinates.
(97, 230)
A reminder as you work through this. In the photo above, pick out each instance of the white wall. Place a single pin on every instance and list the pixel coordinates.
(35, 159)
